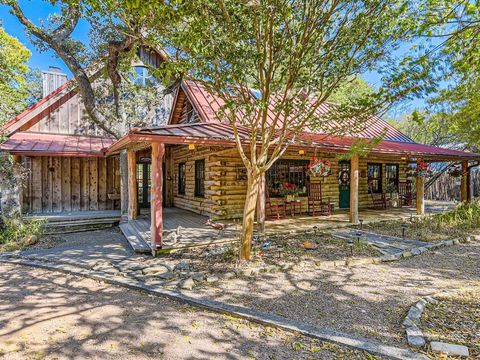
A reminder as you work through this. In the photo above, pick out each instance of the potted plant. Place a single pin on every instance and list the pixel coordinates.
(392, 190)
(289, 190)
(319, 167)
(455, 171)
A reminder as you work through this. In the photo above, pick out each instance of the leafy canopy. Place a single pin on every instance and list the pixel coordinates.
(296, 54)
(13, 76)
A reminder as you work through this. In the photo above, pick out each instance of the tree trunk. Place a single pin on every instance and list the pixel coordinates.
(249, 215)
(261, 205)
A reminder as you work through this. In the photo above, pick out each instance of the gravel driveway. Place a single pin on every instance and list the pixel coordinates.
(51, 315)
(371, 301)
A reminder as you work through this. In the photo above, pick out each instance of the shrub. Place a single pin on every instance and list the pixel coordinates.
(466, 215)
(17, 233)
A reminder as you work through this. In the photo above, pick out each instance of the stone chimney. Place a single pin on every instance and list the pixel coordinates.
(52, 79)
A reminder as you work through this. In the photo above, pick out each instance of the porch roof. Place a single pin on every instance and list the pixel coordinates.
(223, 135)
(41, 144)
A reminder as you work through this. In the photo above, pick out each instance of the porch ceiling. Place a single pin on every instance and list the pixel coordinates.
(223, 134)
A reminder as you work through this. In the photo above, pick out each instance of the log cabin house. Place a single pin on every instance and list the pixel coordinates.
(191, 162)
(195, 164)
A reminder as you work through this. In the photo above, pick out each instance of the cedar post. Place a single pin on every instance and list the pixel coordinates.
(261, 205)
(158, 150)
(354, 189)
(132, 186)
(464, 182)
(420, 192)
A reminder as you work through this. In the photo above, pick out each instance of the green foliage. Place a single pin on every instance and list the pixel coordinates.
(17, 233)
(465, 216)
(351, 91)
(456, 61)
(429, 129)
(13, 73)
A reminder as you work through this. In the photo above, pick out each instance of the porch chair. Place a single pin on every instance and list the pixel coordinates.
(316, 202)
(405, 193)
(275, 210)
(379, 200)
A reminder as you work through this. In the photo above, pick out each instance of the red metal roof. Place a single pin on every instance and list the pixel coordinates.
(222, 134)
(40, 144)
(208, 106)
(38, 104)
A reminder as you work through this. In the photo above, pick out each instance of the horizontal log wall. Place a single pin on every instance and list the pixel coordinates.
(56, 184)
(226, 184)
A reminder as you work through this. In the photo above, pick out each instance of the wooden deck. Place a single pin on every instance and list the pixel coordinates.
(182, 229)
(191, 229)
(75, 221)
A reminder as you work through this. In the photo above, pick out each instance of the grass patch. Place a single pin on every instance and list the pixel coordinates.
(460, 222)
(17, 233)
(455, 319)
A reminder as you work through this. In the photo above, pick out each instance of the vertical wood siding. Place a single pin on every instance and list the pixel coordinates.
(56, 184)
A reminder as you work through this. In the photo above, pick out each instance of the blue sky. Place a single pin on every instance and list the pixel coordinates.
(36, 10)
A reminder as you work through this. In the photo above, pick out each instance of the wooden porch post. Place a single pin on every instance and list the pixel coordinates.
(132, 186)
(354, 189)
(261, 205)
(420, 193)
(158, 150)
(464, 182)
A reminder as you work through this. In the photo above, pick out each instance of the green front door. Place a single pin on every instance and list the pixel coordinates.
(344, 184)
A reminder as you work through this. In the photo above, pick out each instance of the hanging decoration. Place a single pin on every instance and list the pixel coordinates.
(455, 171)
(319, 167)
(422, 170)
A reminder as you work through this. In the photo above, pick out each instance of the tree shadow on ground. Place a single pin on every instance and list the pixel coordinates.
(53, 315)
(370, 300)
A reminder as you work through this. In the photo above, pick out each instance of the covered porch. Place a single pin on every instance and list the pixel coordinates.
(210, 139)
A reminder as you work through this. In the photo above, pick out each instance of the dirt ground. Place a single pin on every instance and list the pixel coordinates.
(51, 315)
(370, 300)
(455, 318)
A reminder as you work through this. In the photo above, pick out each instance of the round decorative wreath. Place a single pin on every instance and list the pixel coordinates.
(318, 167)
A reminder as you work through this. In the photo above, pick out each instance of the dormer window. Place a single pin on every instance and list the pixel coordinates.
(143, 77)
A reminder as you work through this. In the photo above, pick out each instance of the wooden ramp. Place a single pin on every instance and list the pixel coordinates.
(68, 222)
(134, 238)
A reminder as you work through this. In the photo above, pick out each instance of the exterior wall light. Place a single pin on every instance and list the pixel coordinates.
(301, 152)
(191, 147)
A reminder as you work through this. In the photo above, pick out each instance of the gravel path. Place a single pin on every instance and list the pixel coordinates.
(370, 301)
(51, 315)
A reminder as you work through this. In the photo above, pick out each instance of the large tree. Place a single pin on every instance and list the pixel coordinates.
(13, 76)
(295, 54)
(115, 34)
(453, 31)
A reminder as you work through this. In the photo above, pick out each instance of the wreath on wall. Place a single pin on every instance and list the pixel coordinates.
(319, 167)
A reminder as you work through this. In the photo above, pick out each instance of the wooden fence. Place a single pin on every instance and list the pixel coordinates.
(447, 188)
